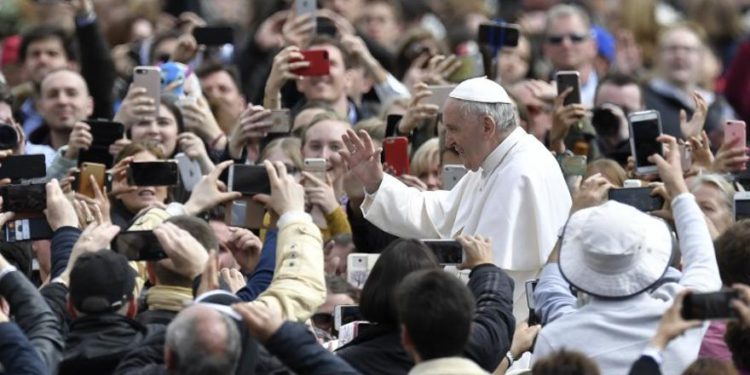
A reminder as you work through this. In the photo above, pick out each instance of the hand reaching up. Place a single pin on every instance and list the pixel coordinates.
(363, 159)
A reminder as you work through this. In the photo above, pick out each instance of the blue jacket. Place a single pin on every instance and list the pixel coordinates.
(17, 355)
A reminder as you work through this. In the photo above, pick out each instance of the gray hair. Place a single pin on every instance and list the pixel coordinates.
(566, 11)
(194, 345)
(718, 181)
(504, 114)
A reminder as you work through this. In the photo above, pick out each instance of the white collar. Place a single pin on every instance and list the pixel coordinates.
(496, 157)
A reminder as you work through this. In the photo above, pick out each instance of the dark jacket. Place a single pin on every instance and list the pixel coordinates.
(97, 67)
(17, 356)
(298, 349)
(97, 343)
(366, 236)
(34, 317)
(669, 107)
(645, 366)
(162, 317)
(380, 351)
(261, 277)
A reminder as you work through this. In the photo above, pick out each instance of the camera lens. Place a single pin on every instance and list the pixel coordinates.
(605, 122)
(8, 137)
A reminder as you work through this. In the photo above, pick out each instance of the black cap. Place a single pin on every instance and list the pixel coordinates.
(101, 282)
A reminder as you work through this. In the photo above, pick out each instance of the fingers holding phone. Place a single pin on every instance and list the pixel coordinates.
(80, 139)
(320, 193)
(477, 250)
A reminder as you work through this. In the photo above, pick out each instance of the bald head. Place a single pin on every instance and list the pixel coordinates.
(201, 340)
(64, 99)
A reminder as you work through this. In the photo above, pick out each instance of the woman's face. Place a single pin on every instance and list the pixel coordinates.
(432, 177)
(324, 141)
(713, 204)
(144, 195)
(161, 131)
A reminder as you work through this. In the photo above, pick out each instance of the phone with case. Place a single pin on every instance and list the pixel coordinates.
(316, 167)
(452, 173)
(396, 151)
(566, 79)
(358, 267)
(733, 130)
(440, 93)
(149, 77)
(98, 171)
(320, 65)
(645, 128)
(190, 171)
(281, 121)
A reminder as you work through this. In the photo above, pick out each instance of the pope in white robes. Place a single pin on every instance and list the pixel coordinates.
(514, 192)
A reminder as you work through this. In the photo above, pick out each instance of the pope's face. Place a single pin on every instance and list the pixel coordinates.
(465, 135)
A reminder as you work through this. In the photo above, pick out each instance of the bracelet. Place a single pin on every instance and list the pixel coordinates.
(216, 140)
(509, 357)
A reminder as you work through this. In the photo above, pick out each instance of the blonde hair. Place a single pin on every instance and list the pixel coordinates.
(291, 146)
(426, 155)
(609, 170)
(375, 127)
(717, 181)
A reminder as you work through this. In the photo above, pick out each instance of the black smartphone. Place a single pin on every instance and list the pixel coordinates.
(27, 230)
(391, 127)
(249, 179)
(708, 306)
(18, 167)
(24, 198)
(325, 26)
(566, 79)
(138, 245)
(639, 198)
(530, 287)
(645, 128)
(153, 173)
(741, 205)
(345, 314)
(105, 133)
(448, 252)
(214, 35)
(8, 137)
(499, 34)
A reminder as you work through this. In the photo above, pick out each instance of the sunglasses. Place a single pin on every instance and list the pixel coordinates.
(574, 38)
(323, 321)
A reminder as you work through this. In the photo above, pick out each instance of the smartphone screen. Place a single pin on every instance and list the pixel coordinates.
(249, 179)
(391, 125)
(138, 245)
(708, 306)
(153, 173)
(214, 36)
(447, 251)
(639, 198)
(105, 133)
(741, 206)
(568, 79)
(345, 314)
(325, 26)
(8, 137)
(24, 198)
(18, 167)
(499, 34)
(644, 133)
(27, 230)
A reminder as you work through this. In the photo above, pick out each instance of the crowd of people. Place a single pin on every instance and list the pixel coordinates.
(388, 133)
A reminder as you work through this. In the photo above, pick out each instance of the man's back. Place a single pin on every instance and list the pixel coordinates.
(615, 332)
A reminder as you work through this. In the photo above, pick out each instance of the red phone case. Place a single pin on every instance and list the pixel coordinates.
(319, 63)
(396, 150)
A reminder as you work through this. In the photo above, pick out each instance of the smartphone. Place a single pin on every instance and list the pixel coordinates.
(325, 26)
(305, 7)
(396, 151)
(741, 205)
(345, 314)
(440, 93)
(84, 182)
(499, 34)
(281, 121)
(249, 179)
(391, 125)
(573, 165)
(8, 137)
(358, 267)
(153, 173)
(190, 171)
(566, 79)
(317, 167)
(530, 287)
(214, 35)
(16, 167)
(149, 77)
(138, 245)
(27, 230)
(26, 198)
(645, 127)
(320, 65)
(472, 66)
(639, 198)
(105, 133)
(448, 252)
(452, 173)
(709, 306)
(735, 129)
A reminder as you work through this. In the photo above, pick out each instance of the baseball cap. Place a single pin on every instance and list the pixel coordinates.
(101, 282)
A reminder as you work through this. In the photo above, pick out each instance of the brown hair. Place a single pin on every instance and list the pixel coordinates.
(565, 362)
(138, 147)
(733, 254)
(710, 366)
(291, 146)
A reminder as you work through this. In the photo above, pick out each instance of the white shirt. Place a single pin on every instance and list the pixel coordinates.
(518, 198)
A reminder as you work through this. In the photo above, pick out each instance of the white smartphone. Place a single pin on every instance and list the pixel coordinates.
(632, 183)
(440, 94)
(358, 267)
(190, 171)
(281, 121)
(345, 314)
(317, 167)
(452, 173)
(645, 127)
(149, 77)
(741, 205)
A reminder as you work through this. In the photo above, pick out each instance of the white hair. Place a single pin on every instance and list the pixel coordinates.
(504, 114)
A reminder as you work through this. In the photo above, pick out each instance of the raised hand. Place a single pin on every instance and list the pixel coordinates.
(320, 193)
(246, 248)
(670, 168)
(60, 212)
(210, 192)
(418, 111)
(252, 126)
(137, 106)
(694, 127)
(477, 251)
(286, 194)
(563, 117)
(187, 256)
(289, 59)
(593, 192)
(363, 159)
(80, 139)
(260, 319)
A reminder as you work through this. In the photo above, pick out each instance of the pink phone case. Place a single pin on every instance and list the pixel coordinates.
(734, 129)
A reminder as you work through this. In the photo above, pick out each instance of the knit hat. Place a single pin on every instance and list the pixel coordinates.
(614, 250)
(101, 282)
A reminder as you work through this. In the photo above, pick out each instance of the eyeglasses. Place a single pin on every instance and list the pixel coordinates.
(574, 38)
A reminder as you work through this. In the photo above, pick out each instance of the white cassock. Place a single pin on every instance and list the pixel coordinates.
(518, 198)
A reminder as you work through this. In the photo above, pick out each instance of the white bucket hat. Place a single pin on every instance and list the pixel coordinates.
(614, 250)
